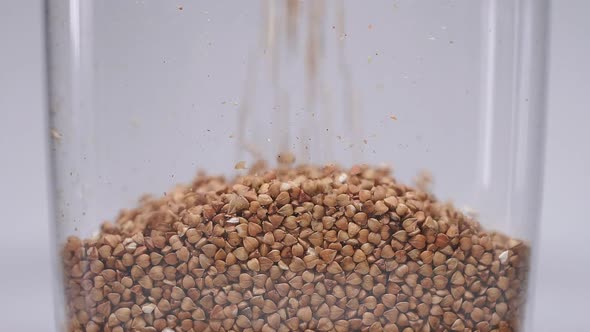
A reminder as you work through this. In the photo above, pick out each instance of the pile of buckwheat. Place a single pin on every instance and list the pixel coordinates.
(295, 249)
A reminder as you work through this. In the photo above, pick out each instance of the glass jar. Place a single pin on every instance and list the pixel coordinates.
(293, 115)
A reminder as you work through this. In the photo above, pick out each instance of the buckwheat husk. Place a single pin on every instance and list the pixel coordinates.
(292, 249)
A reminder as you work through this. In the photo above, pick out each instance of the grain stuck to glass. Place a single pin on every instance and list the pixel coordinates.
(295, 249)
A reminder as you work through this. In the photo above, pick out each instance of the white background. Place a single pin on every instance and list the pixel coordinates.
(25, 270)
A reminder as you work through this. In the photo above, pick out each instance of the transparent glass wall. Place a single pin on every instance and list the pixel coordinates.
(437, 107)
